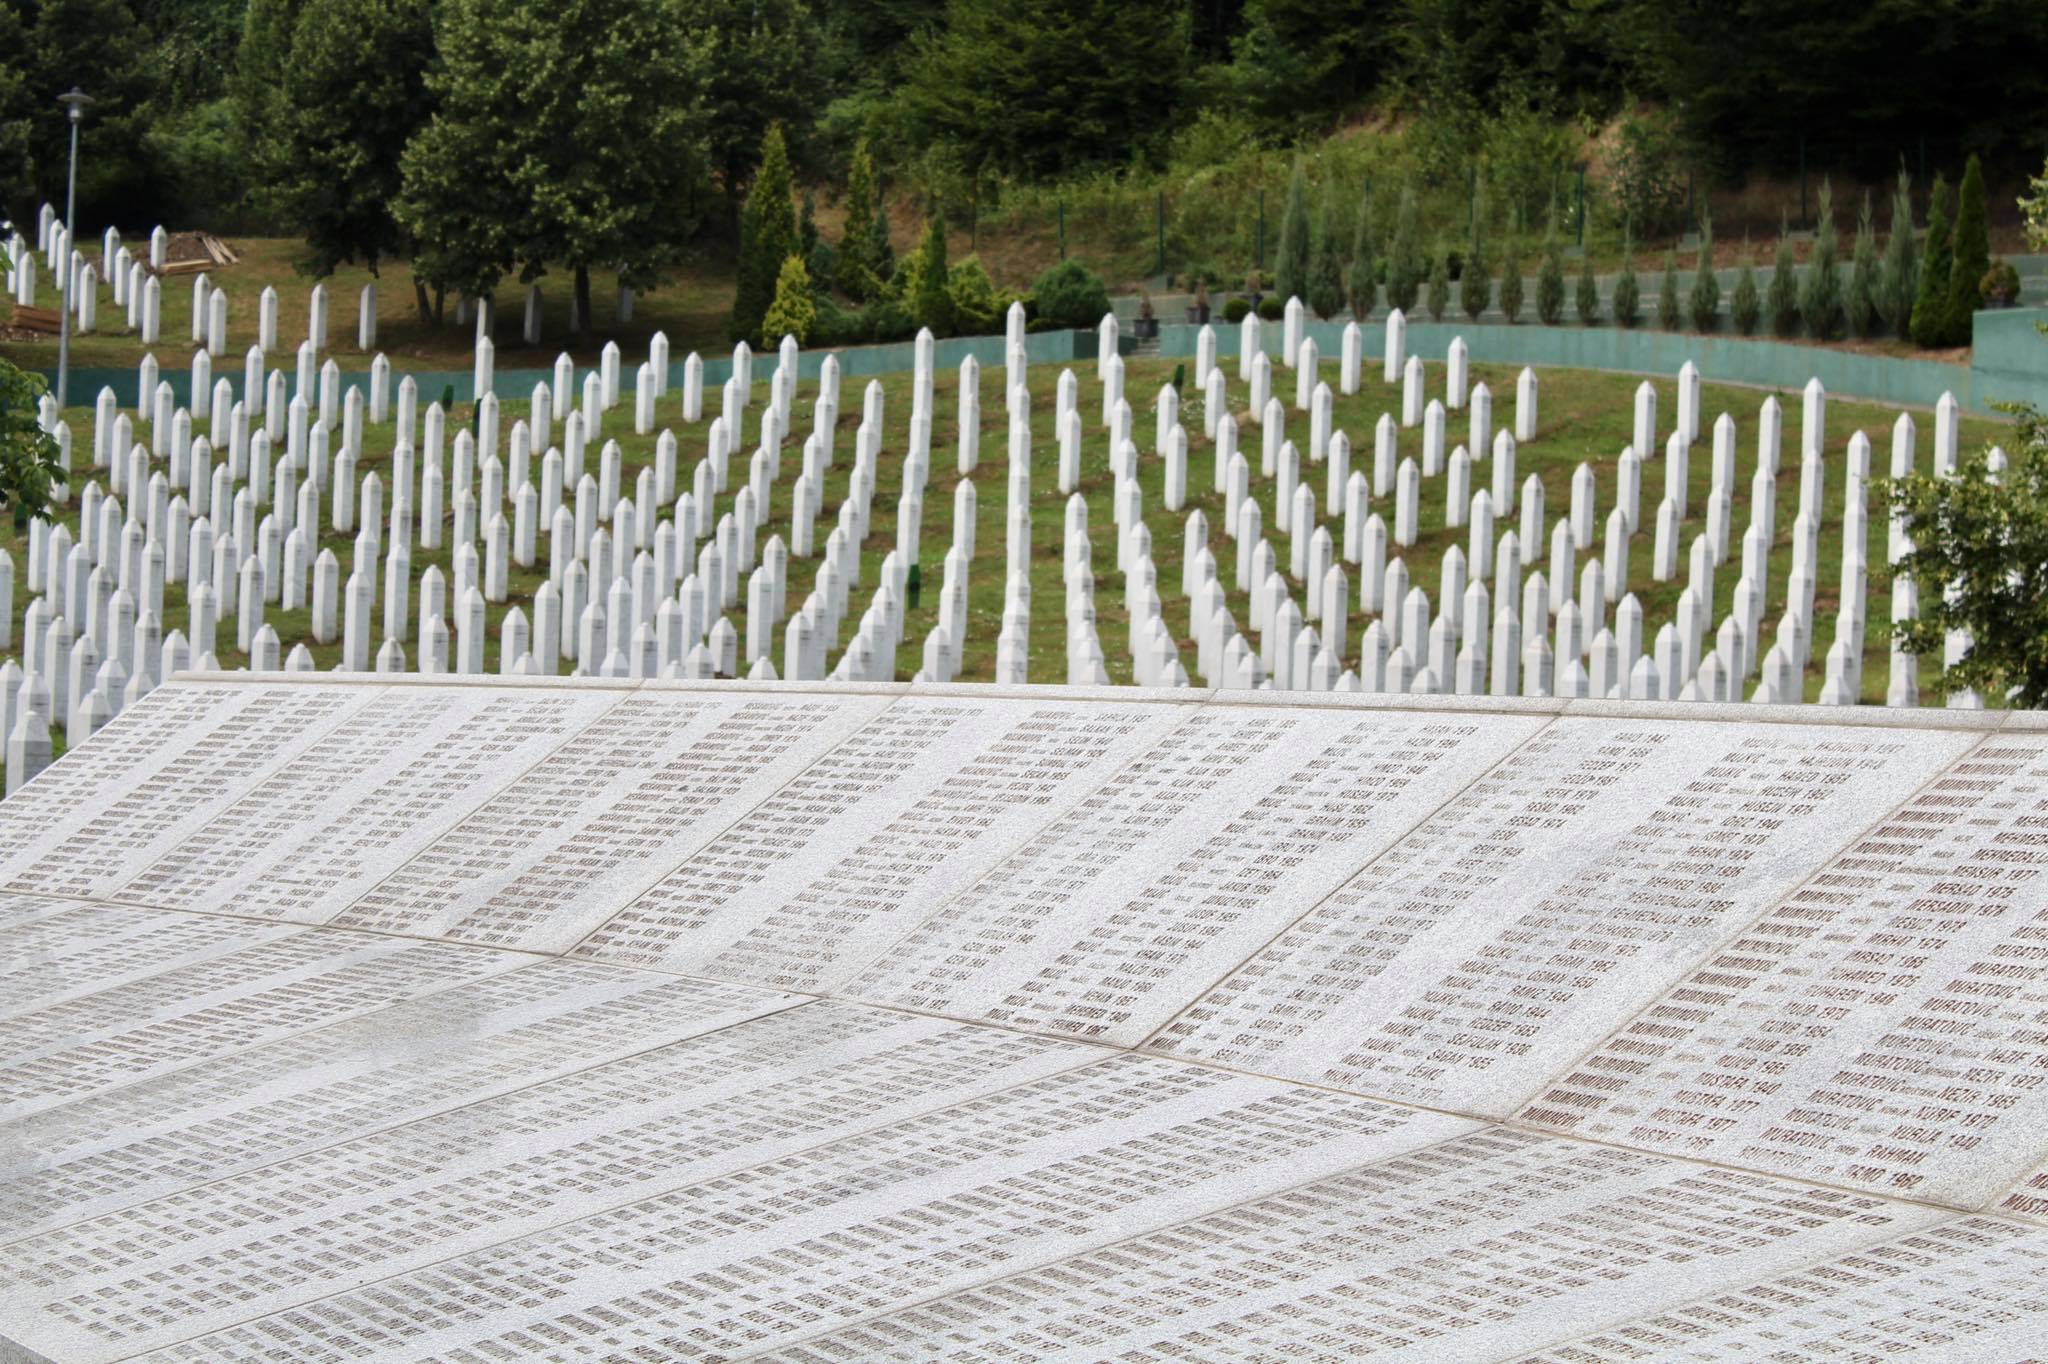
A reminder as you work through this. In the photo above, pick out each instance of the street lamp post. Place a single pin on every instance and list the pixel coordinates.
(75, 101)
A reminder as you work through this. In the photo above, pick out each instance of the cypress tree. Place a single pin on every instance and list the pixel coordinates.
(933, 305)
(1901, 262)
(1325, 267)
(1364, 284)
(1930, 302)
(1705, 302)
(854, 271)
(768, 237)
(1820, 297)
(1404, 257)
(1550, 280)
(1439, 283)
(1511, 280)
(881, 251)
(1475, 283)
(1669, 315)
(1745, 306)
(1972, 256)
(1587, 299)
(1860, 303)
(1290, 268)
(793, 312)
(1628, 293)
(1781, 300)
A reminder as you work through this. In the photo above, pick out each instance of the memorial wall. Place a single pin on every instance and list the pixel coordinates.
(491, 1020)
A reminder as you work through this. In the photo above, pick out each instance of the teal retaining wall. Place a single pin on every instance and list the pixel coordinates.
(2009, 360)
(1722, 359)
(855, 362)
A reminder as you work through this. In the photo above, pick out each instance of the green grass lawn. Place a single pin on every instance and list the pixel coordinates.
(1586, 417)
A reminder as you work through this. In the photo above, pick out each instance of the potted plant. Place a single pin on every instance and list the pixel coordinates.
(1198, 307)
(1148, 321)
(2000, 285)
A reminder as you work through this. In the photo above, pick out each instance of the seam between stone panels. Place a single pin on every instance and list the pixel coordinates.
(1771, 903)
(1079, 1063)
(727, 826)
(1547, 723)
(493, 794)
(540, 962)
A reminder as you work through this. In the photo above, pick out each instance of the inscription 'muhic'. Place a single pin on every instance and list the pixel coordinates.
(1548, 903)
(575, 838)
(1182, 863)
(772, 1251)
(819, 879)
(325, 827)
(162, 775)
(1881, 1026)
(284, 982)
(1969, 1289)
(1465, 1250)
(422, 1056)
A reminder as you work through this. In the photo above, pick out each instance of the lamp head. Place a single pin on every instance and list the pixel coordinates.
(75, 100)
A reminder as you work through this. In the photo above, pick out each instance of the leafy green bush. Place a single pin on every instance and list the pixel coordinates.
(1272, 308)
(2001, 284)
(890, 320)
(1070, 295)
(1237, 309)
(1588, 298)
(1643, 173)
(837, 326)
(1439, 286)
(976, 308)
(1511, 282)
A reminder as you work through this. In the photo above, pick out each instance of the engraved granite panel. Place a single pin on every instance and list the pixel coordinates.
(1549, 902)
(1228, 830)
(467, 1044)
(773, 1251)
(819, 879)
(323, 828)
(578, 836)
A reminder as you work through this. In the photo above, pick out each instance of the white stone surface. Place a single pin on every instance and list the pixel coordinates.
(1759, 992)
